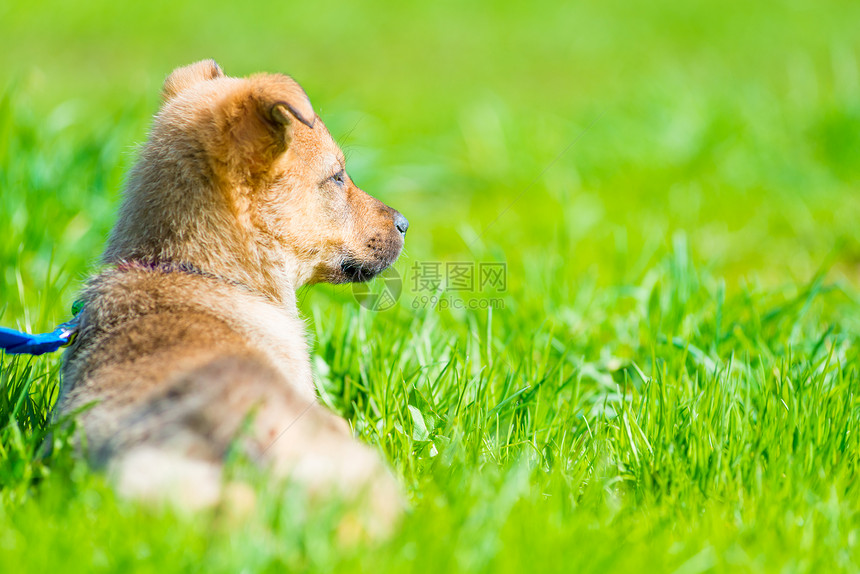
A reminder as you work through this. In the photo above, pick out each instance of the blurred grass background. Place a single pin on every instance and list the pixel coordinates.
(654, 174)
(738, 123)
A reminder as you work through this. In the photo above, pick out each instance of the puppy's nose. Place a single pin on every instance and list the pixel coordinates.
(400, 222)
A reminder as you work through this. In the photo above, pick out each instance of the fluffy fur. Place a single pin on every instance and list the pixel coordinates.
(239, 197)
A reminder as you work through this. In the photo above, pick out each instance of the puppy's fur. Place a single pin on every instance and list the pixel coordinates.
(239, 197)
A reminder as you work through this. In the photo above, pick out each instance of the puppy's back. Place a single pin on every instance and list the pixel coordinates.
(174, 380)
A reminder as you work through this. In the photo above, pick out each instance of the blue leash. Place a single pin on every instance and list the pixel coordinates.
(20, 343)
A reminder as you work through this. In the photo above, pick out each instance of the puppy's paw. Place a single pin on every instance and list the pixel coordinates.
(373, 497)
(336, 467)
(157, 475)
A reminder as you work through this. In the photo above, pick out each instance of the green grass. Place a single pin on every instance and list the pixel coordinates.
(672, 382)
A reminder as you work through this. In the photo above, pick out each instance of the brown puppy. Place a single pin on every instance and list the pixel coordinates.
(239, 197)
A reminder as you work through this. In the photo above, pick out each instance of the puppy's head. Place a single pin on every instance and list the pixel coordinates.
(243, 169)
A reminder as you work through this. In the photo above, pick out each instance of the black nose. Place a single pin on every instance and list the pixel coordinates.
(401, 223)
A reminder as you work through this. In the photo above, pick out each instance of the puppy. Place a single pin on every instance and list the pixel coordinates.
(190, 342)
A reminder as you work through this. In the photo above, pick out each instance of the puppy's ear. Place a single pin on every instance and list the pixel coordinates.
(259, 122)
(289, 100)
(183, 78)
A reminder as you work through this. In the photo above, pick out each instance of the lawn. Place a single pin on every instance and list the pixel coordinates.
(665, 380)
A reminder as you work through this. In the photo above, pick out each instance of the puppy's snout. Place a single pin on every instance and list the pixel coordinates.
(400, 222)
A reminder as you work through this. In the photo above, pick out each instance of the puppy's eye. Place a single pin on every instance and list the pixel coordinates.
(339, 178)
